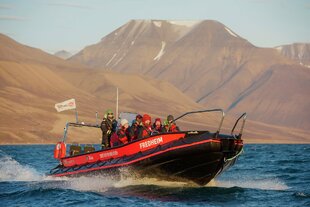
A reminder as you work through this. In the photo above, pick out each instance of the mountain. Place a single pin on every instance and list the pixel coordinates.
(32, 81)
(133, 47)
(300, 52)
(11, 50)
(211, 64)
(63, 54)
(29, 88)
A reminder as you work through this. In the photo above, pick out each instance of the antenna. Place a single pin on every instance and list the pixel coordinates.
(116, 103)
(96, 118)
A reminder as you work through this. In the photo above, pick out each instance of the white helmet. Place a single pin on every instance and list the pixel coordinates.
(124, 121)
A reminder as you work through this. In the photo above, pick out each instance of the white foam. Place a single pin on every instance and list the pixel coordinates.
(11, 170)
(130, 181)
(93, 183)
(263, 184)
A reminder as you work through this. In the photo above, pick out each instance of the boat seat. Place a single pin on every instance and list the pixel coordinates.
(75, 149)
(89, 148)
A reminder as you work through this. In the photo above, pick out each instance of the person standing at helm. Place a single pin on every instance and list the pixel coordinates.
(108, 126)
(172, 125)
(146, 129)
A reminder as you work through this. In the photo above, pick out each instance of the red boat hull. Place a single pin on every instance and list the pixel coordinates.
(193, 156)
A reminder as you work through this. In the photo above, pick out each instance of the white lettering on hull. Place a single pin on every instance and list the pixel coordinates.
(152, 142)
(108, 154)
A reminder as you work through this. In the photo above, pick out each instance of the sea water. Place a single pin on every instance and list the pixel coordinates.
(264, 175)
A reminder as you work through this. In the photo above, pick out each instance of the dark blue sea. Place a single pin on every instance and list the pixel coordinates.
(264, 175)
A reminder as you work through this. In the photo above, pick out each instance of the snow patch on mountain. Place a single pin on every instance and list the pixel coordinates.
(161, 52)
(188, 23)
(120, 59)
(157, 23)
(279, 48)
(230, 32)
(111, 59)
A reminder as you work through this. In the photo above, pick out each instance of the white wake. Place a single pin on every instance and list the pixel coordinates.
(12, 170)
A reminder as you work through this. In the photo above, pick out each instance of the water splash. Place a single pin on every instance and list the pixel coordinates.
(301, 195)
(262, 184)
(93, 184)
(130, 181)
(11, 170)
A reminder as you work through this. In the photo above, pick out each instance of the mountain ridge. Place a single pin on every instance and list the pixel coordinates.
(63, 54)
(207, 61)
(299, 52)
(30, 86)
(32, 81)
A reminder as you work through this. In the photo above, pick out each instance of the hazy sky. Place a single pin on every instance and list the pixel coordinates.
(73, 24)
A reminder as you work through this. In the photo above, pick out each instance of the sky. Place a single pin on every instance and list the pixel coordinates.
(72, 25)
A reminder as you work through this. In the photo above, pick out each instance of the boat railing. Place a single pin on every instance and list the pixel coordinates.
(243, 117)
(77, 124)
(206, 111)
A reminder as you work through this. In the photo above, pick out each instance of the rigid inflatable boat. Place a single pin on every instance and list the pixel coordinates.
(197, 156)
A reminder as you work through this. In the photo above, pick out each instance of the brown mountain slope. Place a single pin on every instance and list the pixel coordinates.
(10, 50)
(29, 90)
(135, 92)
(285, 97)
(132, 47)
(28, 93)
(211, 64)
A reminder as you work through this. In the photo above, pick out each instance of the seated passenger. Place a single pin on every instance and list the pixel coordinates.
(165, 128)
(157, 126)
(114, 140)
(172, 125)
(134, 129)
(123, 132)
(146, 129)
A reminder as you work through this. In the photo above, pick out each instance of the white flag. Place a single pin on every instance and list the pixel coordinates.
(66, 105)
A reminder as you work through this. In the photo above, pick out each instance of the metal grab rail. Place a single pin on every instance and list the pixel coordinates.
(244, 116)
(83, 124)
(206, 111)
(76, 125)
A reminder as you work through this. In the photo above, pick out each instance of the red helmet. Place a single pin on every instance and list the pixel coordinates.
(158, 119)
(146, 117)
